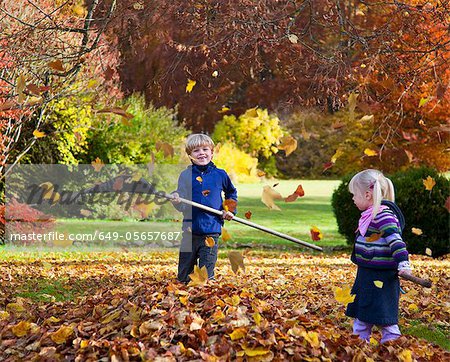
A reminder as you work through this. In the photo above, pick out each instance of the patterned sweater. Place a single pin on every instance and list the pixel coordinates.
(382, 247)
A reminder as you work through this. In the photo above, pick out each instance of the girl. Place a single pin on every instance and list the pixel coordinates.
(380, 254)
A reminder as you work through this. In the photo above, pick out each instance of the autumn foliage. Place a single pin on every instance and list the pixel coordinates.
(127, 306)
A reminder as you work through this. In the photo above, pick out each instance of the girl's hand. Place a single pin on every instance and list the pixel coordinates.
(227, 215)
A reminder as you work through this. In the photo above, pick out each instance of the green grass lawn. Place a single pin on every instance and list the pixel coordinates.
(295, 218)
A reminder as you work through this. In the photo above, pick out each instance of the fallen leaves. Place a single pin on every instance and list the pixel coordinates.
(282, 308)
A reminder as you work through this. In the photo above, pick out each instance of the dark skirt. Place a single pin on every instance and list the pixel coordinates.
(375, 305)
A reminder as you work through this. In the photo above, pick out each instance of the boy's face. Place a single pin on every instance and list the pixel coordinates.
(201, 155)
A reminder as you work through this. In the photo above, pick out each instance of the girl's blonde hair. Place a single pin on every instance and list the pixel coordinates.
(197, 140)
(373, 180)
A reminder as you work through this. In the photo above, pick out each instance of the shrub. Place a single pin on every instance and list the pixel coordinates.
(422, 209)
(132, 142)
(255, 132)
(239, 165)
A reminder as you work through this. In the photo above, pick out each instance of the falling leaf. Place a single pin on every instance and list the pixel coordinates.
(424, 101)
(38, 134)
(374, 237)
(409, 155)
(429, 183)
(230, 205)
(288, 144)
(225, 235)
(248, 215)
(378, 283)
(20, 87)
(343, 296)
(117, 110)
(215, 74)
(62, 334)
(57, 65)
(339, 152)
(293, 38)
(260, 173)
(370, 153)
(199, 179)
(316, 235)
(327, 166)
(366, 118)
(428, 252)
(190, 85)
(238, 333)
(199, 277)
(206, 192)
(417, 231)
(299, 192)
(97, 164)
(268, 197)
(352, 104)
(166, 148)
(236, 260)
(210, 242)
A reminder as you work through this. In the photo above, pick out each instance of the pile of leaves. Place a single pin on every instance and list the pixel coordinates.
(128, 307)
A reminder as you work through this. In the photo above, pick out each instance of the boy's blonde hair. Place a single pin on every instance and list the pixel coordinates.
(374, 180)
(197, 140)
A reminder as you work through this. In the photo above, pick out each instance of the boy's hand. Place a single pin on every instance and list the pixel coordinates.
(227, 215)
(176, 198)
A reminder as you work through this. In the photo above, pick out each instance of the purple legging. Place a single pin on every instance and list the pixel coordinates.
(363, 330)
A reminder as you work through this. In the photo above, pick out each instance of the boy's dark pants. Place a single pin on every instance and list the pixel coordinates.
(193, 247)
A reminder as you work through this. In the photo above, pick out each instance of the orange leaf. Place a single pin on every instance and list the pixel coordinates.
(38, 134)
(206, 192)
(316, 235)
(209, 242)
(166, 148)
(288, 144)
(117, 110)
(374, 237)
(429, 183)
(230, 205)
(225, 235)
(56, 65)
(248, 215)
(199, 277)
(299, 192)
(97, 164)
(417, 231)
(260, 173)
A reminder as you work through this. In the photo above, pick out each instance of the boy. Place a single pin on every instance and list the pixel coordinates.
(203, 183)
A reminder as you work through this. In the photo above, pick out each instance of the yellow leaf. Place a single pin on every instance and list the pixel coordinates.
(417, 231)
(84, 344)
(352, 104)
(21, 329)
(428, 252)
(38, 134)
(62, 334)
(373, 341)
(336, 155)
(413, 307)
(3, 315)
(268, 197)
(199, 277)
(288, 144)
(405, 356)
(97, 164)
(236, 260)
(190, 85)
(20, 87)
(370, 153)
(110, 317)
(258, 351)
(429, 183)
(184, 300)
(257, 318)
(378, 283)
(342, 295)
(238, 333)
(424, 101)
(223, 110)
(225, 235)
(199, 179)
(312, 338)
(218, 315)
(15, 307)
(210, 242)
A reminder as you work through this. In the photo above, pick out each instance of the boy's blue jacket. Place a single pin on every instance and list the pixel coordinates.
(204, 184)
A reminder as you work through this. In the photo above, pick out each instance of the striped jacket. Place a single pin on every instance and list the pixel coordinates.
(382, 247)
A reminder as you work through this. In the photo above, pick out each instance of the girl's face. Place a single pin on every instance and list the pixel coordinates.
(363, 200)
(201, 155)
